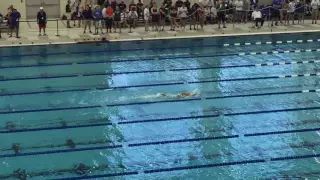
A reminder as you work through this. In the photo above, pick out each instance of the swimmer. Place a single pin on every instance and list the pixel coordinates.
(20, 174)
(70, 143)
(15, 148)
(10, 125)
(63, 123)
(81, 169)
(180, 95)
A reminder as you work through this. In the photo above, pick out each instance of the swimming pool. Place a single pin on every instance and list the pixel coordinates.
(253, 112)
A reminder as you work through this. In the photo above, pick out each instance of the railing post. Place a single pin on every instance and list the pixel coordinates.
(234, 15)
(57, 27)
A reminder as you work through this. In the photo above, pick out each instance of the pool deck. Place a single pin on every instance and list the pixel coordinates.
(29, 33)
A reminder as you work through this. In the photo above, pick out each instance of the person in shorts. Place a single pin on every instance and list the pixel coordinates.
(97, 19)
(173, 18)
(117, 19)
(162, 16)
(68, 13)
(155, 17)
(183, 15)
(146, 17)
(42, 21)
(221, 13)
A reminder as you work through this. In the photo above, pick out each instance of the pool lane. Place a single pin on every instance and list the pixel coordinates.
(140, 149)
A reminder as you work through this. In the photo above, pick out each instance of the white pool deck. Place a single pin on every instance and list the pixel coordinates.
(29, 33)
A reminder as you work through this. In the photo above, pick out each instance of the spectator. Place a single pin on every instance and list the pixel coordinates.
(182, 14)
(221, 13)
(140, 9)
(257, 17)
(291, 9)
(201, 16)
(42, 21)
(78, 15)
(187, 4)
(276, 14)
(117, 19)
(284, 12)
(246, 9)
(173, 19)
(211, 14)
(68, 13)
(193, 16)
(14, 22)
(315, 5)
(1, 22)
(162, 16)
(97, 16)
(114, 4)
(146, 14)
(87, 15)
(132, 16)
(179, 4)
(108, 17)
(155, 17)
(239, 10)
(122, 6)
(300, 12)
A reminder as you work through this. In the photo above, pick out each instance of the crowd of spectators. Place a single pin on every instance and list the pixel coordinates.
(111, 15)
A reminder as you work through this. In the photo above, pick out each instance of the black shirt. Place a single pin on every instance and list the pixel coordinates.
(42, 17)
(68, 8)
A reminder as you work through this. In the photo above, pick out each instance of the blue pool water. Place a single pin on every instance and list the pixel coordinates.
(253, 112)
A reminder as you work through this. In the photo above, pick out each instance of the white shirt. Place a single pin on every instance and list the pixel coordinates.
(182, 12)
(146, 14)
(239, 5)
(291, 7)
(133, 14)
(315, 4)
(211, 11)
(104, 10)
(256, 14)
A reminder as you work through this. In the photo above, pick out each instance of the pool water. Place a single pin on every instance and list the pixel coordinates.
(244, 107)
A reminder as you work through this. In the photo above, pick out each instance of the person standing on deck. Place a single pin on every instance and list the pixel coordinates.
(14, 22)
(87, 15)
(42, 21)
(68, 13)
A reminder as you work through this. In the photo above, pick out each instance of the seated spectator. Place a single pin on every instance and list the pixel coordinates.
(257, 17)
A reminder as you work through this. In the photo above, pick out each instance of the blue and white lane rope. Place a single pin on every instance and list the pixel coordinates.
(271, 42)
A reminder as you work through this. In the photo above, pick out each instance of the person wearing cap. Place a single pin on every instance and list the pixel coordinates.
(42, 21)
